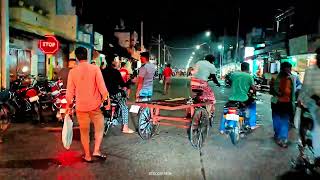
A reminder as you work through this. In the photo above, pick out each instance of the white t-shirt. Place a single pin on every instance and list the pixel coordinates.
(311, 82)
(203, 69)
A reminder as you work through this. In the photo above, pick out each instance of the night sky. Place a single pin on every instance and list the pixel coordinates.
(181, 22)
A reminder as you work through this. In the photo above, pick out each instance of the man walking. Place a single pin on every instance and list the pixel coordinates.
(167, 73)
(145, 78)
(86, 84)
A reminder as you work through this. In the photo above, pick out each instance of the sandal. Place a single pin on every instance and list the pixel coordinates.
(86, 161)
(128, 131)
(101, 157)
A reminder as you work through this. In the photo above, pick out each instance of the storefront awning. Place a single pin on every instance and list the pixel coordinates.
(37, 30)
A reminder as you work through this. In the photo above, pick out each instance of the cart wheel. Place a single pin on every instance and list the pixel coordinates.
(146, 128)
(211, 119)
(199, 128)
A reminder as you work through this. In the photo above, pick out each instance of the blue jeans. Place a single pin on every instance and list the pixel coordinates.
(123, 107)
(251, 121)
(280, 124)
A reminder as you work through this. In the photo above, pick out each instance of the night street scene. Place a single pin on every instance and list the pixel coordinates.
(161, 89)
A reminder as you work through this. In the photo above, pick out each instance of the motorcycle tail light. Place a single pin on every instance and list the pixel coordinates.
(232, 111)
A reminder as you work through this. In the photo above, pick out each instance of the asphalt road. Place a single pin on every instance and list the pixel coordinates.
(34, 153)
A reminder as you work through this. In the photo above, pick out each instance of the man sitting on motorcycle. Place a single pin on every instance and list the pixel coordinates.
(114, 82)
(242, 83)
(204, 71)
(310, 99)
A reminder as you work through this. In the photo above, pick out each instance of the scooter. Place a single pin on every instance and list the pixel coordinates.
(236, 115)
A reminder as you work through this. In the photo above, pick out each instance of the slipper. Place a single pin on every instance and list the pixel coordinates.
(101, 157)
(86, 161)
(129, 131)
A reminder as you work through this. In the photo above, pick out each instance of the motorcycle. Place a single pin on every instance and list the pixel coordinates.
(25, 99)
(236, 115)
(261, 84)
(113, 117)
(6, 111)
(60, 105)
(227, 80)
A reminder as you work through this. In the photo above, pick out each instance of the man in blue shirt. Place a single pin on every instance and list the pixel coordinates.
(145, 77)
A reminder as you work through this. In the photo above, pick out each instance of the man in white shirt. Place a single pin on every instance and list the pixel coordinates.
(206, 70)
(310, 98)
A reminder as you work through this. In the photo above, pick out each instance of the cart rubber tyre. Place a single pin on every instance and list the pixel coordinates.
(199, 128)
(146, 128)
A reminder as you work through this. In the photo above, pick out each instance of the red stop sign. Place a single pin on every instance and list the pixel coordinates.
(49, 46)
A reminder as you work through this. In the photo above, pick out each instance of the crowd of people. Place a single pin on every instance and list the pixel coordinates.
(92, 86)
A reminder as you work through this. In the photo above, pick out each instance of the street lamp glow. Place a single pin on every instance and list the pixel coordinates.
(25, 69)
(208, 33)
(193, 53)
(198, 46)
(220, 47)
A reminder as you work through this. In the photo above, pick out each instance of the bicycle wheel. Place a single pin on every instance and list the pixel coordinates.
(146, 128)
(199, 128)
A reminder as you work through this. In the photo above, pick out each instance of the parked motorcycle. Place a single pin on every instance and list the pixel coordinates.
(113, 117)
(6, 111)
(227, 80)
(261, 84)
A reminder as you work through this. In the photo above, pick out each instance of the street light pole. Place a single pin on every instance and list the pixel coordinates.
(238, 27)
(164, 54)
(159, 50)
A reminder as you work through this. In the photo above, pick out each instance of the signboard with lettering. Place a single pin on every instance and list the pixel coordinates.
(49, 46)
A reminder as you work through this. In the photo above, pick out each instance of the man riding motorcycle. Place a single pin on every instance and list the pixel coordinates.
(310, 99)
(204, 71)
(115, 83)
(242, 83)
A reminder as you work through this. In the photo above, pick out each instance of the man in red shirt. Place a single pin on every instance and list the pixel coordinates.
(126, 77)
(167, 73)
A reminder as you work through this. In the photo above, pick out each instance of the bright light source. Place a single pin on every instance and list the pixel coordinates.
(208, 33)
(198, 46)
(248, 51)
(220, 47)
(25, 69)
(193, 53)
(191, 57)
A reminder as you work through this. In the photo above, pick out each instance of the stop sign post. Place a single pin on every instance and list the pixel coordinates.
(49, 46)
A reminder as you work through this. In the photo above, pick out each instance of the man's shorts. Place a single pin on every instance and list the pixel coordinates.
(167, 80)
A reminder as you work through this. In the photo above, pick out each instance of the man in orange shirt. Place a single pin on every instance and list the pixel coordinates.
(282, 103)
(86, 84)
(167, 73)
